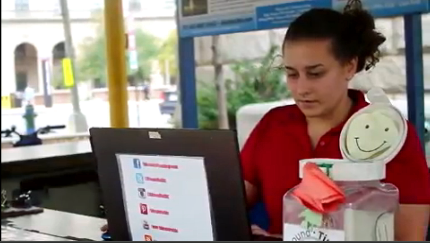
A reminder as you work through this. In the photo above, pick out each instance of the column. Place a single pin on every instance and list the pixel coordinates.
(116, 64)
(8, 83)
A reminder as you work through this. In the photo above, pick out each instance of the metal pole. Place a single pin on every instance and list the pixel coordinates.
(187, 78)
(47, 94)
(77, 120)
(137, 95)
(116, 64)
(415, 72)
(187, 83)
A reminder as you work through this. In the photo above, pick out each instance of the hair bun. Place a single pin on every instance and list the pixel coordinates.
(357, 16)
(360, 28)
(352, 5)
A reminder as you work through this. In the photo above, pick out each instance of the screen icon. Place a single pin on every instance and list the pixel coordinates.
(139, 178)
(145, 225)
(137, 164)
(142, 192)
(143, 209)
(148, 238)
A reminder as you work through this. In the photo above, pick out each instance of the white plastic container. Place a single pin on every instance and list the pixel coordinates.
(367, 213)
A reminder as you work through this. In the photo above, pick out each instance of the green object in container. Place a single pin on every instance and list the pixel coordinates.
(311, 219)
(29, 117)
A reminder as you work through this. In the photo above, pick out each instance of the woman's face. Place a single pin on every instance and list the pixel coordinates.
(317, 81)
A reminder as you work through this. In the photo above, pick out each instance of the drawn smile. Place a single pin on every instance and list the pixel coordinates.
(368, 151)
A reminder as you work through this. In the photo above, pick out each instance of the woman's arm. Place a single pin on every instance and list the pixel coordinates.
(251, 194)
(249, 159)
(412, 222)
(410, 174)
(249, 162)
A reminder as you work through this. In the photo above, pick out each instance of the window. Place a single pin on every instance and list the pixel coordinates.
(21, 80)
(97, 5)
(57, 7)
(21, 51)
(22, 5)
(134, 5)
(59, 51)
(169, 4)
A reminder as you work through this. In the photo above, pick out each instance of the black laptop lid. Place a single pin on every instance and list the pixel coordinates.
(171, 184)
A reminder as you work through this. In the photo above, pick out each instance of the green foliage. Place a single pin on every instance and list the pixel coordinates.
(255, 83)
(92, 63)
(207, 106)
(57, 76)
(148, 47)
(168, 52)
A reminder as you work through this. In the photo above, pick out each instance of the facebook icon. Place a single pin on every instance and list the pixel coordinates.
(137, 164)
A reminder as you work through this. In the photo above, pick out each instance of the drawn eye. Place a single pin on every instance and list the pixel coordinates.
(367, 127)
(386, 129)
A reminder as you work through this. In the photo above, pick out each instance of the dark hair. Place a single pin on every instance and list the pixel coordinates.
(352, 33)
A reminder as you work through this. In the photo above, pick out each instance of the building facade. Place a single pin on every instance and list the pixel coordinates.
(32, 33)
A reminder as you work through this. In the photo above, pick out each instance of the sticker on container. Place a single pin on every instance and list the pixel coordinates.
(293, 232)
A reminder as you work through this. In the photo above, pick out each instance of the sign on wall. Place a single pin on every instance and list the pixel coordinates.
(214, 17)
(6, 102)
(67, 72)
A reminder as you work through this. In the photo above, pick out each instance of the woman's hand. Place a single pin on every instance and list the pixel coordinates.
(256, 230)
(104, 228)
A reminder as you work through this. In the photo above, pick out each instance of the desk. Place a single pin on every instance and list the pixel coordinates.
(63, 175)
(46, 158)
(45, 151)
(56, 224)
(47, 139)
(13, 234)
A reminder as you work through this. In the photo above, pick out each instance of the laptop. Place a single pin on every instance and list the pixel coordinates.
(171, 184)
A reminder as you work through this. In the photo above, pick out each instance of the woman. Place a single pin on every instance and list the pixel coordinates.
(323, 49)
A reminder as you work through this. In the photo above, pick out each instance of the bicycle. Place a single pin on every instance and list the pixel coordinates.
(29, 139)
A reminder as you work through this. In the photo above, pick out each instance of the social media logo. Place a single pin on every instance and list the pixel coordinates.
(143, 209)
(139, 178)
(148, 238)
(137, 164)
(145, 225)
(142, 192)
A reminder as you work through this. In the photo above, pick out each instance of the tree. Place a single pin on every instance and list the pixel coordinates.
(92, 61)
(219, 84)
(255, 83)
(148, 47)
(168, 53)
(91, 65)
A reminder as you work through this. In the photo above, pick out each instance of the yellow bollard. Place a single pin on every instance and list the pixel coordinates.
(116, 64)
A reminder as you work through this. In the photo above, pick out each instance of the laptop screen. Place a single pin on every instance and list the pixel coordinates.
(166, 198)
(171, 184)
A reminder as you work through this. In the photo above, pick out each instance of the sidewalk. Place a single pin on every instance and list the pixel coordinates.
(143, 114)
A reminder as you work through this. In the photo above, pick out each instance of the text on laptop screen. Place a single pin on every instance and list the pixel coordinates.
(166, 198)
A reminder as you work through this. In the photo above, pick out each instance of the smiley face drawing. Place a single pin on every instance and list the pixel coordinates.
(371, 134)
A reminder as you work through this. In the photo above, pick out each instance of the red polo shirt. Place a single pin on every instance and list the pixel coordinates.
(270, 158)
